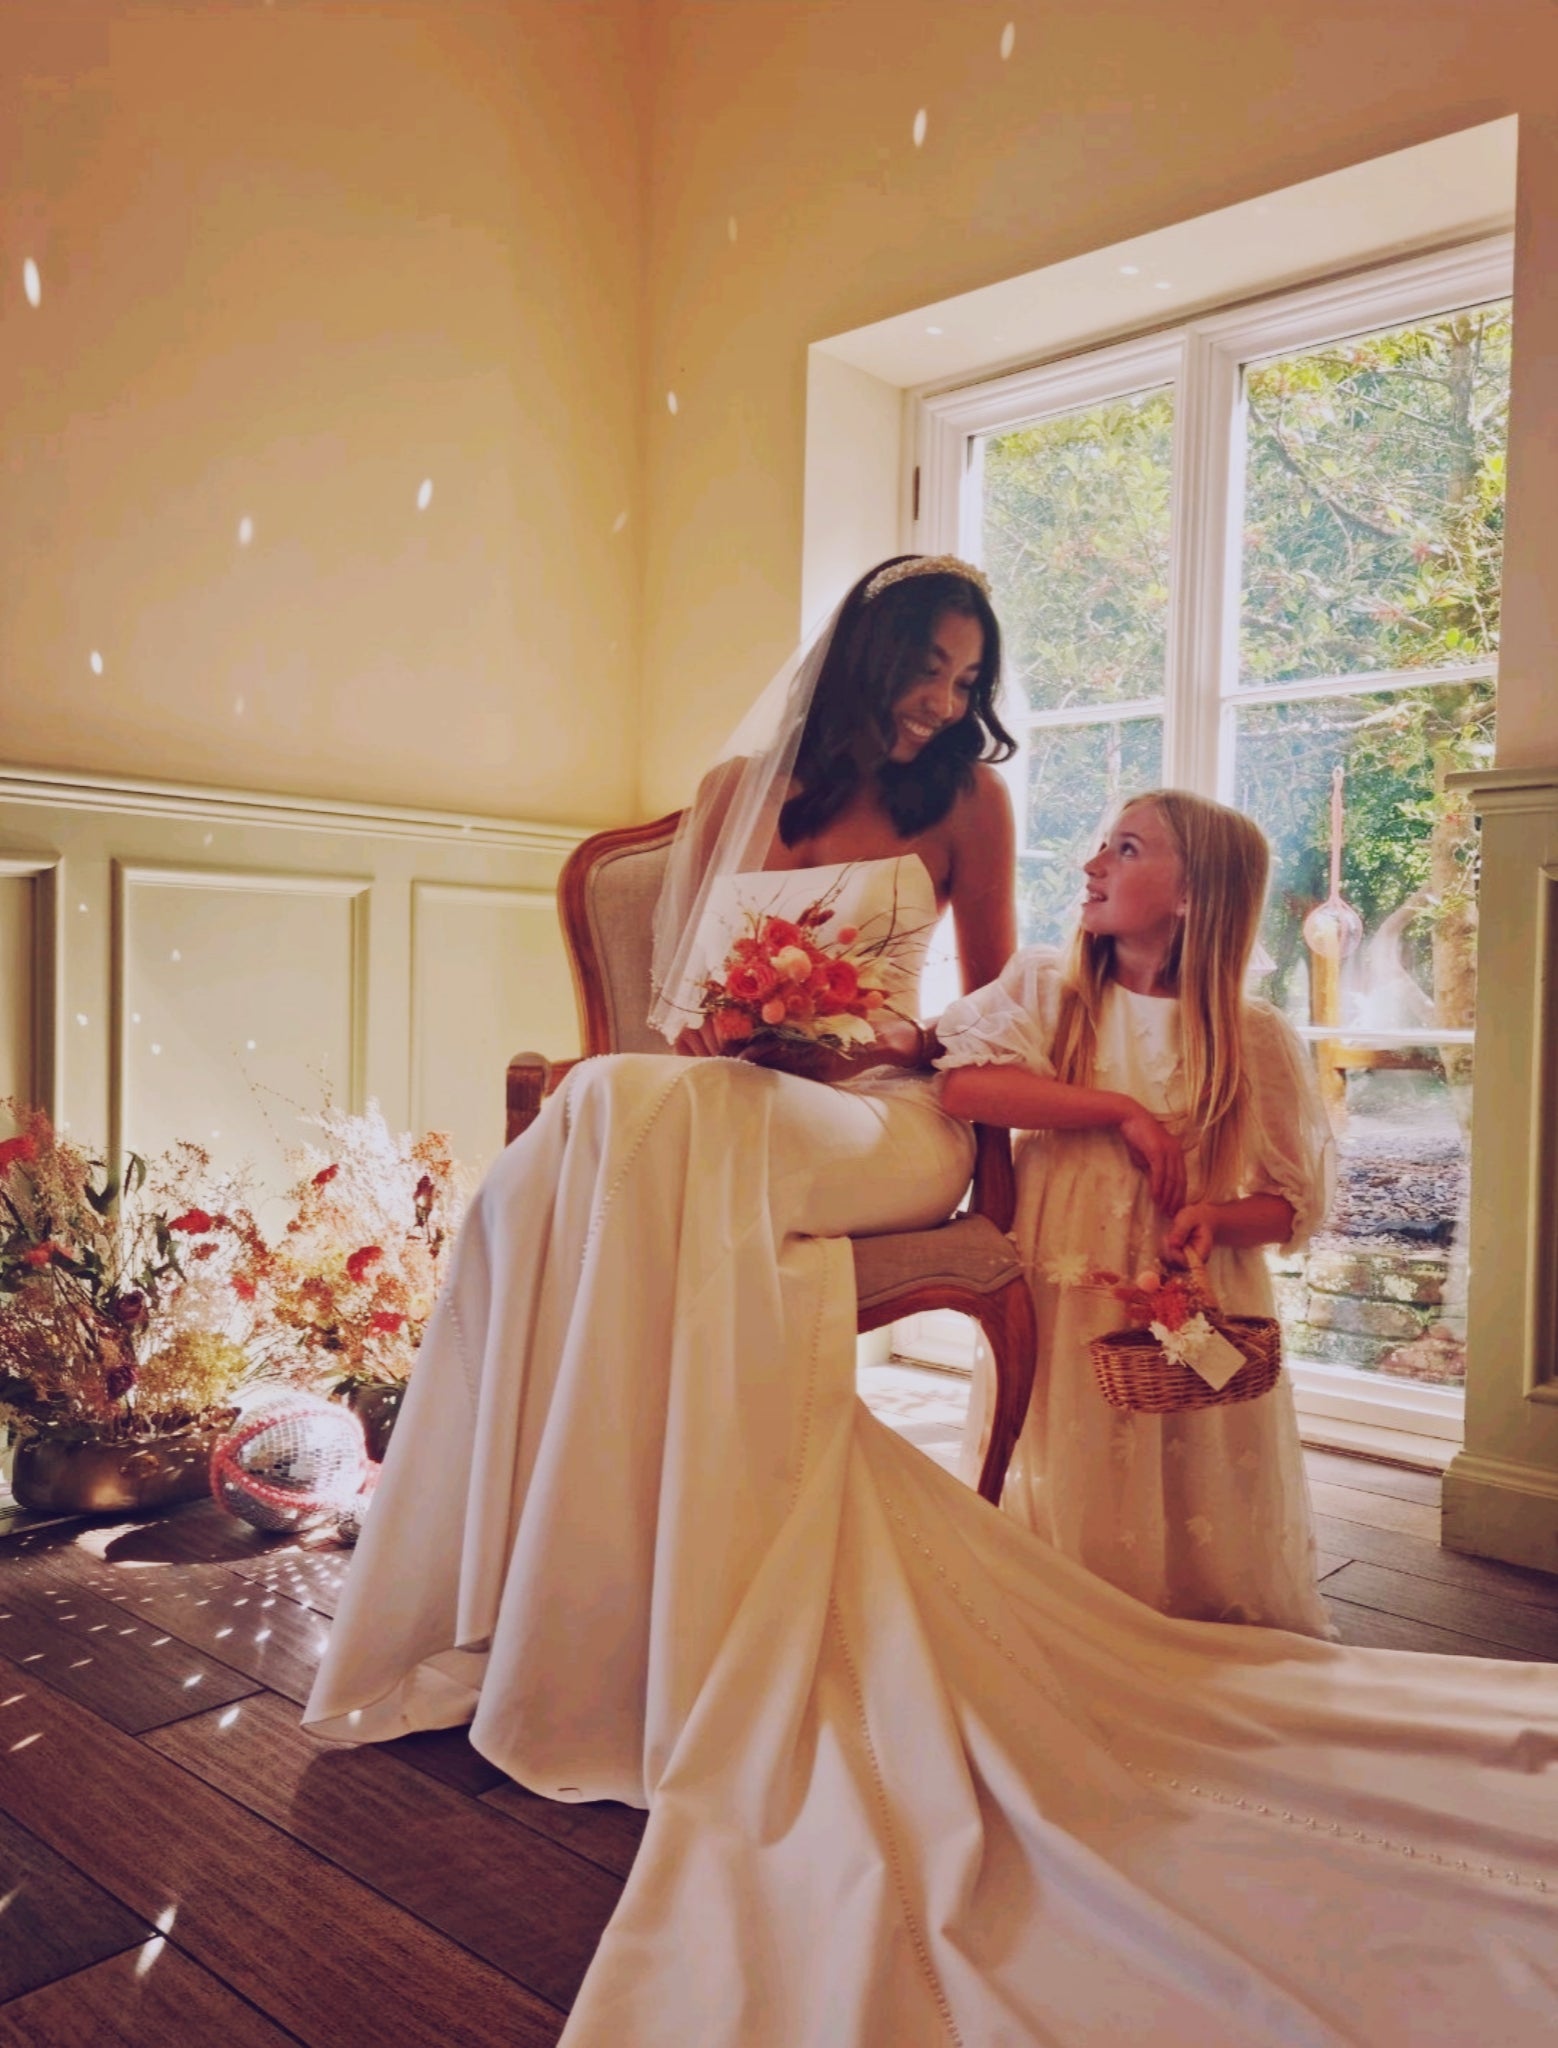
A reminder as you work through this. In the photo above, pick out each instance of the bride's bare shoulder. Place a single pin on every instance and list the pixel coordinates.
(985, 806)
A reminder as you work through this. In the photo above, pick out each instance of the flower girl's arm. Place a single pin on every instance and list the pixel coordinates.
(1252, 1220)
(1035, 1102)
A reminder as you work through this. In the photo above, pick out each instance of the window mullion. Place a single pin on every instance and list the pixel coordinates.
(1203, 571)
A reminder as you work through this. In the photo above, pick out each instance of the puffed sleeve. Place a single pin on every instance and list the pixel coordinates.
(1010, 1022)
(1291, 1152)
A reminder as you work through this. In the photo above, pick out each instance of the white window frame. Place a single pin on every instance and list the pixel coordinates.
(1202, 361)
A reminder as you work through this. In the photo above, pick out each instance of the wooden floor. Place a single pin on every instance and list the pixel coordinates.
(181, 1866)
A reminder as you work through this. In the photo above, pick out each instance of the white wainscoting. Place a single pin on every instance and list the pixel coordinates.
(214, 964)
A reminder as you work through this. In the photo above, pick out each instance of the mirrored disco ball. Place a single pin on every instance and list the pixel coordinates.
(296, 1461)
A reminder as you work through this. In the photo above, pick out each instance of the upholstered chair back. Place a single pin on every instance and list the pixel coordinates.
(607, 900)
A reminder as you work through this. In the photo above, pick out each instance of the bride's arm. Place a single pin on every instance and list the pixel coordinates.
(983, 882)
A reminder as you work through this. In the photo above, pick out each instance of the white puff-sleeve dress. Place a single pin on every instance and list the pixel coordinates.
(1203, 1513)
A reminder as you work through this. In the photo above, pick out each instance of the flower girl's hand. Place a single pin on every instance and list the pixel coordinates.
(1160, 1156)
(1194, 1229)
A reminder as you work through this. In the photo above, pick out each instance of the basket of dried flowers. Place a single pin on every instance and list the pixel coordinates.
(1180, 1349)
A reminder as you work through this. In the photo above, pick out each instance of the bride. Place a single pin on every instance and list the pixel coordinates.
(912, 1776)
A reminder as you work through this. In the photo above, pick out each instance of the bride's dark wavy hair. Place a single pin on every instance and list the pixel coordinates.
(878, 649)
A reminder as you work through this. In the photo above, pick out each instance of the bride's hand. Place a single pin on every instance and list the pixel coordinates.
(795, 1056)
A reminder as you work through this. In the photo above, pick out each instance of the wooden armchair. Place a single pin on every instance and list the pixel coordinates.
(606, 898)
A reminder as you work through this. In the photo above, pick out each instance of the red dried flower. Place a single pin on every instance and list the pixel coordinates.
(1171, 1306)
(39, 1255)
(751, 982)
(244, 1289)
(12, 1149)
(358, 1264)
(118, 1381)
(196, 1222)
(325, 1175)
(387, 1319)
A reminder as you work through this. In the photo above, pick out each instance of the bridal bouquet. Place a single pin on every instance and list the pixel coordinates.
(793, 978)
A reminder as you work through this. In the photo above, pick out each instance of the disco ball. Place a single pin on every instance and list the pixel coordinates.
(296, 1461)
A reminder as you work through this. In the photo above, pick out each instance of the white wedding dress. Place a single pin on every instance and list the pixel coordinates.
(913, 1776)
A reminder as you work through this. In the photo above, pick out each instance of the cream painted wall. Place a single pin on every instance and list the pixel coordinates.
(788, 201)
(293, 261)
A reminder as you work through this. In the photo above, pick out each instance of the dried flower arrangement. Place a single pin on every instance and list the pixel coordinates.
(117, 1312)
(341, 1298)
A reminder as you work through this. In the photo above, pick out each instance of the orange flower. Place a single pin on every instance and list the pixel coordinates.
(843, 983)
(751, 982)
(773, 1011)
(731, 1026)
(359, 1262)
(799, 1004)
(195, 1222)
(847, 934)
(778, 933)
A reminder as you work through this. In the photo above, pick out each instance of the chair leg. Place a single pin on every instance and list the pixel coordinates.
(1011, 1331)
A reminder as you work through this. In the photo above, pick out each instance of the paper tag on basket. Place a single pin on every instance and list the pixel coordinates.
(1216, 1361)
(1203, 1348)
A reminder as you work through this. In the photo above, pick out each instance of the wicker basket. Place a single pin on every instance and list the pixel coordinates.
(1134, 1371)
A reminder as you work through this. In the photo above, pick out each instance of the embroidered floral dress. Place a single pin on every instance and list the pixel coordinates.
(1203, 1513)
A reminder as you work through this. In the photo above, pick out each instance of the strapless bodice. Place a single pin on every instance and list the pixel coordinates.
(891, 900)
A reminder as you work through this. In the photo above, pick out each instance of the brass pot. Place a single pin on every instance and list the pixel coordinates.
(57, 1474)
(376, 1403)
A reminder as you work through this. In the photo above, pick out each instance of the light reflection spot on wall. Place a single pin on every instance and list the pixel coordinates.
(425, 494)
(921, 123)
(32, 283)
(671, 403)
(245, 531)
(619, 522)
(1008, 40)
(81, 1016)
(95, 662)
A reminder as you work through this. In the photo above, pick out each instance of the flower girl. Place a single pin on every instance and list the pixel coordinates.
(1164, 1114)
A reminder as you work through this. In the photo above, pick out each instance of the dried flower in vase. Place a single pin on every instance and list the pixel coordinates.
(342, 1296)
(117, 1316)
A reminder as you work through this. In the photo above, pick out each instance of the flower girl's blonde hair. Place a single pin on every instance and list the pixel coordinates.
(1226, 861)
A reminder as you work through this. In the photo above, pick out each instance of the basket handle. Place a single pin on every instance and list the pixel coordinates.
(1200, 1285)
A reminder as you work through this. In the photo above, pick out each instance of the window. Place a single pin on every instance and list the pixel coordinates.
(1259, 556)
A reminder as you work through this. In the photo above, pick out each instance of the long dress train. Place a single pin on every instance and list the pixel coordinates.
(913, 1776)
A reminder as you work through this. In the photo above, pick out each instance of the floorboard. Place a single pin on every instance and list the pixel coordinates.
(93, 1652)
(1519, 1631)
(300, 1939)
(1422, 1559)
(53, 1921)
(456, 1863)
(1370, 1627)
(1376, 1510)
(152, 1997)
